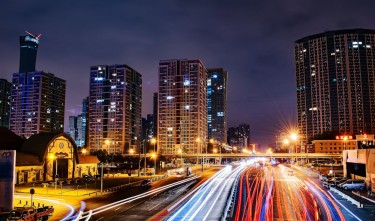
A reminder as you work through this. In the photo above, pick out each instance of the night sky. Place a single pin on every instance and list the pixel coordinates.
(252, 40)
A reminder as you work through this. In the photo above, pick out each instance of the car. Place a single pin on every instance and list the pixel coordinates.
(88, 177)
(353, 184)
(325, 177)
(327, 184)
(146, 183)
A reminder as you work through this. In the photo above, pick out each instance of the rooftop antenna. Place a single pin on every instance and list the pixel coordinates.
(37, 37)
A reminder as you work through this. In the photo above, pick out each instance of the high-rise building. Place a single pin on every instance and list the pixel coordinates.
(155, 115)
(115, 107)
(335, 73)
(147, 127)
(78, 126)
(239, 136)
(84, 128)
(37, 103)
(73, 130)
(28, 51)
(182, 109)
(217, 104)
(5, 87)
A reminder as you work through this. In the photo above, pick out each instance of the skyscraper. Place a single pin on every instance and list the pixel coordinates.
(5, 87)
(217, 104)
(239, 136)
(115, 107)
(73, 130)
(84, 128)
(155, 115)
(182, 109)
(28, 51)
(37, 103)
(335, 73)
(78, 126)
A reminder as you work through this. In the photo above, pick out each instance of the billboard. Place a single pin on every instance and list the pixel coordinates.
(7, 176)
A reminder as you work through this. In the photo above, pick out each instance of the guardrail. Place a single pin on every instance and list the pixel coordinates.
(343, 195)
(115, 188)
(230, 201)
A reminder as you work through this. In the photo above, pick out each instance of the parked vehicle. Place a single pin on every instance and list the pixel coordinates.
(353, 184)
(88, 177)
(30, 213)
(325, 177)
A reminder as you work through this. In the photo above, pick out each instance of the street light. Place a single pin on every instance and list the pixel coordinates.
(52, 157)
(180, 152)
(153, 155)
(197, 140)
(153, 141)
(131, 151)
(84, 151)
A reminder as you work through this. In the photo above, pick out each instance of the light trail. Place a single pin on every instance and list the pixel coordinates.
(200, 205)
(133, 198)
(51, 200)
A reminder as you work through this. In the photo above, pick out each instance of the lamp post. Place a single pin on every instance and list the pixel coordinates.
(153, 155)
(53, 157)
(294, 137)
(198, 140)
(153, 141)
(180, 152)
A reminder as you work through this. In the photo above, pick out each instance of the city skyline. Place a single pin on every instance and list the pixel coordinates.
(240, 37)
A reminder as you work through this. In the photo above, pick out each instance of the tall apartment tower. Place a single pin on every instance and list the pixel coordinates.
(73, 129)
(182, 110)
(28, 51)
(37, 103)
(5, 87)
(335, 74)
(217, 104)
(84, 128)
(239, 136)
(115, 107)
(155, 115)
(78, 126)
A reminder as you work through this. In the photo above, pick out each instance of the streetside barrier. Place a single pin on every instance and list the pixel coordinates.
(228, 211)
(111, 189)
(348, 198)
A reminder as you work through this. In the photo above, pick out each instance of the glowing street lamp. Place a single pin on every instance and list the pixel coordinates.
(180, 152)
(198, 141)
(215, 150)
(53, 157)
(153, 155)
(84, 151)
(131, 151)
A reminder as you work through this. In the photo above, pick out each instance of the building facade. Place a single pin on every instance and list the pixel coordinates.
(115, 107)
(37, 103)
(78, 126)
(5, 87)
(182, 109)
(335, 73)
(155, 115)
(239, 137)
(217, 104)
(28, 52)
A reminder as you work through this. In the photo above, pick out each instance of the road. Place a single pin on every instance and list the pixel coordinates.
(274, 193)
(209, 200)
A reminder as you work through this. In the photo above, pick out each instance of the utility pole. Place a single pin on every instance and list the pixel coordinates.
(101, 179)
(144, 152)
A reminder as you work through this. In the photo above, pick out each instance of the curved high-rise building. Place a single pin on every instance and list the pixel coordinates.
(335, 73)
(28, 51)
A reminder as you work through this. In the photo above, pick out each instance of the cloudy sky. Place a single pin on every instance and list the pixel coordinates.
(252, 40)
